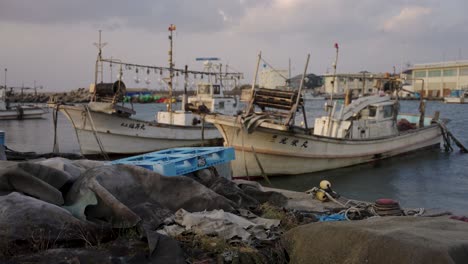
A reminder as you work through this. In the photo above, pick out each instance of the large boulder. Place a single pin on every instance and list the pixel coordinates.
(31, 224)
(43, 182)
(118, 251)
(380, 240)
(111, 193)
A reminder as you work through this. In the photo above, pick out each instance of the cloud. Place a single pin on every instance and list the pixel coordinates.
(407, 18)
(223, 15)
(373, 35)
(154, 16)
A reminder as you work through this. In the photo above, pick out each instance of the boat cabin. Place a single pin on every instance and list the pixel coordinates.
(210, 96)
(365, 118)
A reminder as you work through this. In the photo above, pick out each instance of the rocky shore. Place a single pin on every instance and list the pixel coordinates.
(80, 95)
(62, 211)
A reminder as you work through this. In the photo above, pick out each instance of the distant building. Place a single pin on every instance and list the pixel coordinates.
(311, 81)
(439, 78)
(272, 79)
(352, 81)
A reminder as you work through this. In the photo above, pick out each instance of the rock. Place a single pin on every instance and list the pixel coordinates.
(224, 187)
(119, 251)
(37, 225)
(35, 180)
(380, 240)
(118, 188)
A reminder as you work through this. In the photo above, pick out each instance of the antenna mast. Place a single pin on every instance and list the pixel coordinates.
(172, 28)
(99, 64)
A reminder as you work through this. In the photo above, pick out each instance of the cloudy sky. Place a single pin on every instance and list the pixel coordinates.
(51, 41)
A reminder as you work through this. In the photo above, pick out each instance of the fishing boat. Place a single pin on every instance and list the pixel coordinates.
(105, 125)
(19, 112)
(457, 97)
(268, 140)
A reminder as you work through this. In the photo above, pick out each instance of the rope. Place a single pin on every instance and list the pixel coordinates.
(55, 149)
(76, 130)
(269, 65)
(101, 147)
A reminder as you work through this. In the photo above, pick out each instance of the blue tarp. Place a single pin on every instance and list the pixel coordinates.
(332, 217)
(456, 93)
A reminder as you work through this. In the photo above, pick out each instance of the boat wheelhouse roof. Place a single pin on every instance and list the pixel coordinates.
(357, 105)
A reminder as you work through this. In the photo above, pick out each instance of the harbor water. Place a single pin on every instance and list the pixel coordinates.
(429, 179)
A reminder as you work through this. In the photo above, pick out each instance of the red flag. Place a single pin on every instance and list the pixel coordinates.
(172, 27)
(336, 45)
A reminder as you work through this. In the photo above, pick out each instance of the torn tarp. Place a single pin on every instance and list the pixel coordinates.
(222, 224)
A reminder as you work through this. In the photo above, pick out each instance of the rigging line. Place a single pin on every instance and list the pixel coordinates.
(269, 65)
(167, 68)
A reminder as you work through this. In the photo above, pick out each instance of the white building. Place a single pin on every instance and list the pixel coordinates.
(352, 81)
(272, 79)
(439, 78)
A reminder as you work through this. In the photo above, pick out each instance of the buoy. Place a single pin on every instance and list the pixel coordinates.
(319, 195)
(325, 185)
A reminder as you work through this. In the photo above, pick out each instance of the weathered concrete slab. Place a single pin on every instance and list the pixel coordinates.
(381, 240)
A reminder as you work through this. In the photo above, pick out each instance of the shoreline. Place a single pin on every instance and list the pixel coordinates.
(173, 208)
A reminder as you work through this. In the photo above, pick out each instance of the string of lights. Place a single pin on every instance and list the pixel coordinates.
(149, 68)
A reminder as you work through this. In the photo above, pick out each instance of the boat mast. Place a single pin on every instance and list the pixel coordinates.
(184, 98)
(172, 28)
(298, 98)
(5, 86)
(334, 73)
(99, 63)
(252, 92)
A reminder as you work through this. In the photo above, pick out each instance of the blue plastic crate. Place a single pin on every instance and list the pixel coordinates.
(179, 161)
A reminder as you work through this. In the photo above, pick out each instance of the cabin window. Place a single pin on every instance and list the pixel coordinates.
(387, 111)
(221, 105)
(204, 89)
(372, 111)
(216, 89)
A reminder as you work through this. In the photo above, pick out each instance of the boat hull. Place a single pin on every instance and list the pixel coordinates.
(27, 113)
(455, 100)
(122, 135)
(287, 153)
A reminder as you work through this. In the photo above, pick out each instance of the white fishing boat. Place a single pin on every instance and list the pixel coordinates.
(461, 97)
(108, 127)
(105, 126)
(19, 112)
(268, 142)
